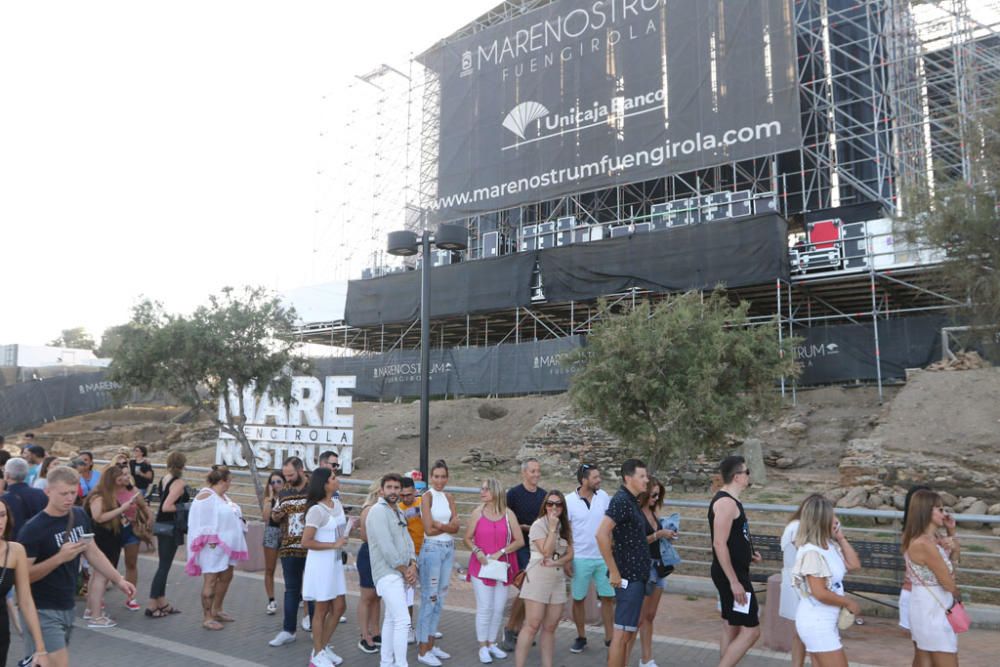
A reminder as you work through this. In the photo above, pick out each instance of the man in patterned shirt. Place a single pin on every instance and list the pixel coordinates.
(291, 512)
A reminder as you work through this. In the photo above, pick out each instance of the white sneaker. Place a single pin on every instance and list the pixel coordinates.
(319, 659)
(496, 652)
(651, 663)
(307, 623)
(411, 636)
(282, 638)
(439, 653)
(334, 658)
(343, 619)
(429, 659)
(485, 656)
(272, 607)
(437, 635)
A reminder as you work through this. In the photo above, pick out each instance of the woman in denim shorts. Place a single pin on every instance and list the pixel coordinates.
(651, 503)
(272, 537)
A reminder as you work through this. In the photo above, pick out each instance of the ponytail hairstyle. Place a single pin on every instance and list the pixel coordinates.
(218, 474)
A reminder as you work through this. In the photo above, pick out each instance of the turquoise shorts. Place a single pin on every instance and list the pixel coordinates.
(587, 569)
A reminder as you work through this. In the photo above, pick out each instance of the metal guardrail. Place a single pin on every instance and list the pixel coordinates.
(978, 571)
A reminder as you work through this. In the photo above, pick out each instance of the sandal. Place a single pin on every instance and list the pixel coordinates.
(170, 609)
(156, 613)
(223, 617)
(212, 625)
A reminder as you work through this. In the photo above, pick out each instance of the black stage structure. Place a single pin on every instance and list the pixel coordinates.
(872, 97)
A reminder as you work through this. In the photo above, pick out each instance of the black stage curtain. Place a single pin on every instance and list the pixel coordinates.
(735, 253)
(482, 286)
(746, 252)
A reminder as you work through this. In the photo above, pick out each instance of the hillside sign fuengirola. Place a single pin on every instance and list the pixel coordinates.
(309, 425)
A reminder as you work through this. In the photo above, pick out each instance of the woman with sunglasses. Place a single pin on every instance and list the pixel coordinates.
(272, 537)
(544, 587)
(650, 502)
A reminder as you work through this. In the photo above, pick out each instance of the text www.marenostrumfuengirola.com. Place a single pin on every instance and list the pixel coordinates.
(654, 157)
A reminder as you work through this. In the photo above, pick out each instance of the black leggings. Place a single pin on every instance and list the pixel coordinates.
(166, 547)
(4, 633)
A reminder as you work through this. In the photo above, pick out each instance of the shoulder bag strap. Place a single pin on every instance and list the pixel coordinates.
(913, 573)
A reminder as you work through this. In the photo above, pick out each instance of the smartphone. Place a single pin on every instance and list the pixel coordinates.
(86, 537)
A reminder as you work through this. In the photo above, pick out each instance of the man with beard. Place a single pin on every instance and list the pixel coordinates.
(585, 508)
(291, 512)
(394, 568)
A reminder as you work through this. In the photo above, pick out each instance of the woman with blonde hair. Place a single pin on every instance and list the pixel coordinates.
(824, 556)
(931, 572)
(368, 603)
(789, 602)
(492, 535)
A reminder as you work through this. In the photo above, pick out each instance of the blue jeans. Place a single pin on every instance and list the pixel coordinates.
(292, 568)
(434, 566)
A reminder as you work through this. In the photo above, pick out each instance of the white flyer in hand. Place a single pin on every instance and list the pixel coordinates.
(743, 608)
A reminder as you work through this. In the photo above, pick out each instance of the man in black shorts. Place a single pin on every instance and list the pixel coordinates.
(732, 553)
(621, 538)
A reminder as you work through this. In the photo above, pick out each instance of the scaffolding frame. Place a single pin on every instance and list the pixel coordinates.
(890, 95)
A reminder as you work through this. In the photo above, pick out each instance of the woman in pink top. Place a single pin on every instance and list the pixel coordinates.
(491, 534)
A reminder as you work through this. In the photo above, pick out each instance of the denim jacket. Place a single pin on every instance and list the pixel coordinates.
(668, 554)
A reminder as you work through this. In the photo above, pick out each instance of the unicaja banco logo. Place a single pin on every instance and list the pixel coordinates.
(522, 115)
(832, 348)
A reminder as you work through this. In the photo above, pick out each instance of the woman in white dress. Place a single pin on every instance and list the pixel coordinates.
(931, 574)
(216, 541)
(323, 582)
(789, 602)
(824, 557)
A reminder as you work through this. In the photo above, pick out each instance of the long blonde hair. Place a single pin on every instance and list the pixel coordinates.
(499, 505)
(815, 522)
(374, 493)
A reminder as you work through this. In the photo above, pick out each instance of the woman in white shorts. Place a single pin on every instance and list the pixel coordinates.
(216, 541)
(824, 557)
(789, 602)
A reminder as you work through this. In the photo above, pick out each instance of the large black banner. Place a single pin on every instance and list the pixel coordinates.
(525, 368)
(583, 94)
(31, 404)
(846, 352)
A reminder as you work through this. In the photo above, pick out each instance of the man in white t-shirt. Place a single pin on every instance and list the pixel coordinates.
(586, 507)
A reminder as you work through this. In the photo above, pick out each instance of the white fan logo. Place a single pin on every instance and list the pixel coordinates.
(524, 113)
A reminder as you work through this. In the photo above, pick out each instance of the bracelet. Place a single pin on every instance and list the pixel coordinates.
(38, 653)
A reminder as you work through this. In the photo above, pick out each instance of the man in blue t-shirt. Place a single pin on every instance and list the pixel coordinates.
(525, 500)
(54, 540)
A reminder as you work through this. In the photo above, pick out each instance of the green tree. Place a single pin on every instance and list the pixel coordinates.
(675, 379)
(111, 340)
(76, 338)
(961, 216)
(235, 343)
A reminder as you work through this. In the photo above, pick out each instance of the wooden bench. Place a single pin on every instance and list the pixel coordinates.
(881, 556)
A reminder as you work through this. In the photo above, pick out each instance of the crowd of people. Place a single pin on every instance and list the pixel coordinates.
(66, 537)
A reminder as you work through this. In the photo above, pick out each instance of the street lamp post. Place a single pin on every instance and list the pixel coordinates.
(407, 244)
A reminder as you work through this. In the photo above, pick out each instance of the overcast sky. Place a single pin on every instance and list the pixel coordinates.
(167, 149)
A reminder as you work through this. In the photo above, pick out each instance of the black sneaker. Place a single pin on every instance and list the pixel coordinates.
(579, 644)
(377, 640)
(366, 647)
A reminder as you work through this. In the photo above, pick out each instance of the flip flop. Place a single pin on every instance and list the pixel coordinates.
(212, 625)
(224, 617)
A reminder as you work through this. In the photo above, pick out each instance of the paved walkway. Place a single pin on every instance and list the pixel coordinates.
(180, 640)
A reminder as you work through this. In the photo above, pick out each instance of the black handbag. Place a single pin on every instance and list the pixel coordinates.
(164, 528)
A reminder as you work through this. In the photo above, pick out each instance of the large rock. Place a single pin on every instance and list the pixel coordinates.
(899, 501)
(491, 411)
(62, 448)
(978, 507)
(965, 503)
(834, 495)
(854, 497)
(994, 509)
(948, 499)
(752, 450)
(796, 428)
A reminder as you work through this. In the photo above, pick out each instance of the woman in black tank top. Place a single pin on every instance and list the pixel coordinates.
(173, 492)
(14, 572)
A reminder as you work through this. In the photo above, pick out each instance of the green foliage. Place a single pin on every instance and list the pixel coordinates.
(76, 338)
(236, 342)
(676, 379)
(961, 216)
